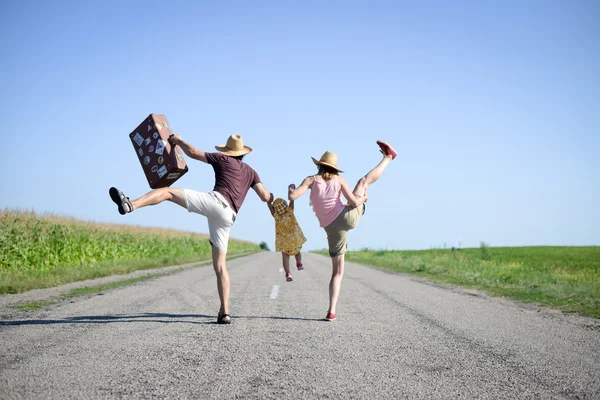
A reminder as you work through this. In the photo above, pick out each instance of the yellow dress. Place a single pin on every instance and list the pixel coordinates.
(288, 234)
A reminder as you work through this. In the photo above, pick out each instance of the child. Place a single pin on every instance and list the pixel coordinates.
(288, 235)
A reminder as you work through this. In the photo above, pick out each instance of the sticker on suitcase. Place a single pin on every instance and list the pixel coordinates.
(148, 140)
(138, 139)
(161, 171)
(154, 168)
(160, 147)
(155, 135)
(173, 175)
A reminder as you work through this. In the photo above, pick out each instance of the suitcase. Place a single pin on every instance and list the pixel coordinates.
(162, 163)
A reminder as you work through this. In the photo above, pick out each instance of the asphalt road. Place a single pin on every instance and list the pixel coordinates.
(395, 337)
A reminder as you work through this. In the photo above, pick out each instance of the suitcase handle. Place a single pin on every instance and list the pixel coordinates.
(170, 138)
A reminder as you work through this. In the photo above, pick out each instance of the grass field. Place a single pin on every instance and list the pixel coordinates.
(567, 278)
(38, 251)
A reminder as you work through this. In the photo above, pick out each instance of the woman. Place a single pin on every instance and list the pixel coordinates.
(335, 217)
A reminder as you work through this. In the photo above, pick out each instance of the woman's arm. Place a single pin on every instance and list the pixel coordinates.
(295, 192)
(353, 201)
(188, 149)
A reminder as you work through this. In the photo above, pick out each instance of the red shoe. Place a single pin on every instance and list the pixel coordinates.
(386, 149)
(330, 317)
(288, 277)
(300, 267)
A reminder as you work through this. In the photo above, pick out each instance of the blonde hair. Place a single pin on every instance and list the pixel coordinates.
(327, 172)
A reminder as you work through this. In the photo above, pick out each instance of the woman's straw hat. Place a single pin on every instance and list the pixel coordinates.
(329, 159)
(234, 147)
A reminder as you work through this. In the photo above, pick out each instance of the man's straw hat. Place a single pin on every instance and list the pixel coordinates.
(329, 159)
(234, 147)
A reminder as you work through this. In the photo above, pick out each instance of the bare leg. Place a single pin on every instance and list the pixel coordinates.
(371, 177)
(285, 257)
(337, 273)
(298, 258)
(219, 264)
(157, 196)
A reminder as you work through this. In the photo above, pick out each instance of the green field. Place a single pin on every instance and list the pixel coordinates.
(567, 278)
(38, 251)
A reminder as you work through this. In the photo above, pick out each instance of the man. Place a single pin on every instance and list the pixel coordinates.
(233, 179)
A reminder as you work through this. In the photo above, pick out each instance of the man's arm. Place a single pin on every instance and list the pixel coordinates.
(263, 193)
(188, 149)
(271, 208)
(294, 193)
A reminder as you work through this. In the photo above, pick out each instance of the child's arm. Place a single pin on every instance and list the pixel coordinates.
(271, 208)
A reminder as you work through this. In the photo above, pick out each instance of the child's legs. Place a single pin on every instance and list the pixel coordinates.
(337, 273)
(371, 177)
(285, 257)
(298, 258)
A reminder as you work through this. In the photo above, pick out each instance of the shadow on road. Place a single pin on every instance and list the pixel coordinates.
(144, 317)
(275, 317)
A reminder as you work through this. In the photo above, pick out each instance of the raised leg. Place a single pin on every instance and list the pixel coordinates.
(371, 177)
(157, 196)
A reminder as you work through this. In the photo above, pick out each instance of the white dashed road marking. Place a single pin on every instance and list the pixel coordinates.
(274, 292)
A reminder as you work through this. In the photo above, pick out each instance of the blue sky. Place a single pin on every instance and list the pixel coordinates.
(492, 106)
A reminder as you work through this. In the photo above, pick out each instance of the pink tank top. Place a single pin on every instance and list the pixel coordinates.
(326, 200)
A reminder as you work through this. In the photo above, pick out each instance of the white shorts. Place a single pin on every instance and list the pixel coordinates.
(218, 212)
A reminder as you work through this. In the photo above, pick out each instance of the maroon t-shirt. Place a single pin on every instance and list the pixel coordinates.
(233, 178)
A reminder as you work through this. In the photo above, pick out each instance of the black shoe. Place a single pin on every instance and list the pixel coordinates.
(223, 319)
(120, 200)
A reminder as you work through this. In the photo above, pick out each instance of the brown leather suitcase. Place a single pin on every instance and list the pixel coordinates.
(162, 163)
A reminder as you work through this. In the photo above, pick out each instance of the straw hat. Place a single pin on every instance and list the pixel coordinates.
(329, 159)
(234, 147)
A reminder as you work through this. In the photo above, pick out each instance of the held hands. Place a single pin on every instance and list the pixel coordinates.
(291, 188)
